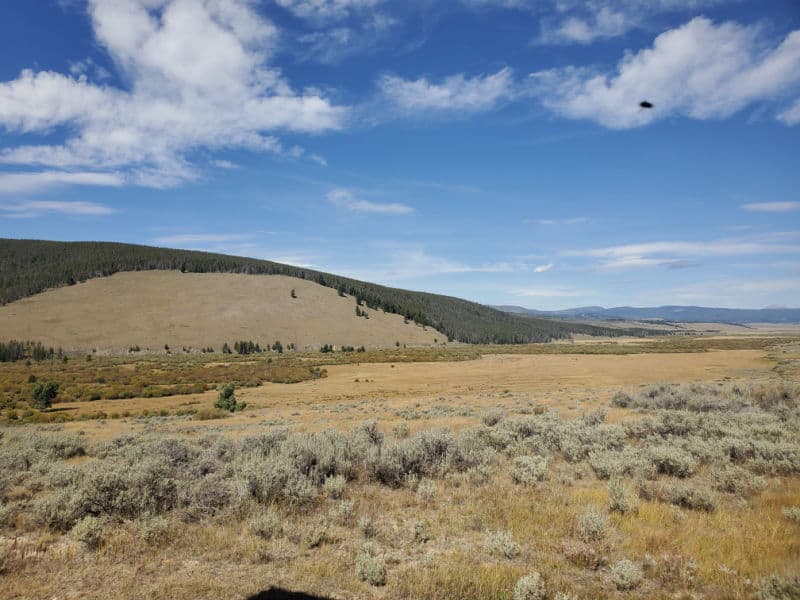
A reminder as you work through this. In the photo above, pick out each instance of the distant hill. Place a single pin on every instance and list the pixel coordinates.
(29, 267)
(685, 314)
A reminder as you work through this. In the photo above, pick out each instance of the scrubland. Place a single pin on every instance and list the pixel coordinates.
(566, 475)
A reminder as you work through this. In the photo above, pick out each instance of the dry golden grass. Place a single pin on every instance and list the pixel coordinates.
(219, 557)
(153, 308)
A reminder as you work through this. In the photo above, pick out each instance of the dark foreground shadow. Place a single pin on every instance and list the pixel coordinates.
(281, 594)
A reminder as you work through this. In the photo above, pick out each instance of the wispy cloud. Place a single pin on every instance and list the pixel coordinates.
(773, 207)
(23, 183)
(347, 200)
(37, 208)
(543, 268)
(682, 254)
(456, 93)
(700, 70)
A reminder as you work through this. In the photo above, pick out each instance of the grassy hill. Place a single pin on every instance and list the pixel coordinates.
(28, 267)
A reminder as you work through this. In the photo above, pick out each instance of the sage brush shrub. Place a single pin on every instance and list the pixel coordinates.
(89, 530)
(680, 494)
(792, 513)
(527, 470)
(592, 526)
(501, 544)
(266, 525)
(735, 480)
(335, 485)
(672, 461)
(626, 575)
(530, 587)
(369, 568)
(618, 498)
(778, 588)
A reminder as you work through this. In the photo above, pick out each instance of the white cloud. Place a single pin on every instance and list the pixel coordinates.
(674, 254)
(22, 183)
(326, 9)
(699, 70)
(604, 23)
(791, 116)
(225, 164)
(454, 93)
(346, 199)
(36, 208)
(774, 207)
(543, 268)
(198, 76)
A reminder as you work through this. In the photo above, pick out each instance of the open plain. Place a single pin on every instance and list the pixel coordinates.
(653, 470)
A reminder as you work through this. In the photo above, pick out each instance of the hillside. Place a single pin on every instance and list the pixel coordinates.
(28, 267)
(152, 308)
(683, 314)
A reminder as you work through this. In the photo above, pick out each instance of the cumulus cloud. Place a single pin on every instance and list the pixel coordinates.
(774, 207)
(347, 200)
(37, 208)
(700, 70)
(453, 93)
(199, 76)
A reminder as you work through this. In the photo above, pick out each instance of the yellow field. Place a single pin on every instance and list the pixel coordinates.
(432, 542)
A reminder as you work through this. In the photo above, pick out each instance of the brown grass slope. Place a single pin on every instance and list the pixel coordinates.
(153, 308)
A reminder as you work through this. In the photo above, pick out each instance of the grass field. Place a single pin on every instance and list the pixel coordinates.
(412, 473)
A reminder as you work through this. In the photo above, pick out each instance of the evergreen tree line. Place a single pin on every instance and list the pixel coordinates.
(28, 267)
(15, 350)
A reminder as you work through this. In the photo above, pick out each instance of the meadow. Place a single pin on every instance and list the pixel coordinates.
(662, 468)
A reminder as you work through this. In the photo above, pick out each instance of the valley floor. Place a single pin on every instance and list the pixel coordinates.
(433, 479)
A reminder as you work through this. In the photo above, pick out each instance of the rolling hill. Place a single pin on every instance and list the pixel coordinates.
(40, 271)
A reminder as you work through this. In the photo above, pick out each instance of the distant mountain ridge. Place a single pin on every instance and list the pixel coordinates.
(686, 314)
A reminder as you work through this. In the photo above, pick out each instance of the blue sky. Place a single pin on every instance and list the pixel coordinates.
(488, 149)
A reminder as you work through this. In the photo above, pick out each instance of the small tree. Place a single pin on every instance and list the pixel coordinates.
(43, 394)
(227, 399)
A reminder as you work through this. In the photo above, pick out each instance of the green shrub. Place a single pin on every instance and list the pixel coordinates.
(43, 394)
(227, 399)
